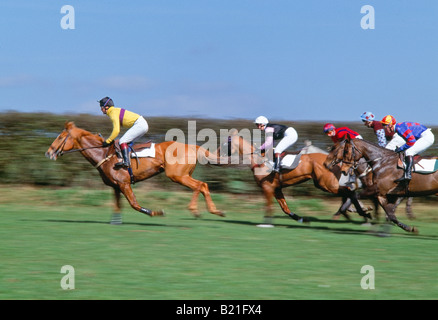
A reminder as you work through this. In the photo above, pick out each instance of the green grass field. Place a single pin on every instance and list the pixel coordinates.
(180, 257)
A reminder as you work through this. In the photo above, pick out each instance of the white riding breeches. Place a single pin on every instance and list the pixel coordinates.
(139, 128)
(425, 141)
(290, 137)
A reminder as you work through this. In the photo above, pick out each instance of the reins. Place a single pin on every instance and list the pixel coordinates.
(355, 162)
(82, 149)
(59, 151)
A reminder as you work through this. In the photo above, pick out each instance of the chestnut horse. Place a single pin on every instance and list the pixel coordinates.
(311, 166)
(384, 167)
(177, 160)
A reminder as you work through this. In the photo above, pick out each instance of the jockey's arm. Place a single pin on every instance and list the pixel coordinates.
(116, 127)
(269, 142)
(381, 138)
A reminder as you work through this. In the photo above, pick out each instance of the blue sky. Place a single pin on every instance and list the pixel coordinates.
(292, 60)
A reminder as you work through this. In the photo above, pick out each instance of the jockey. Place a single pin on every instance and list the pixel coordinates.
(382, 133)
(287, 136)
(410, 137)
(338, 134)
(123, 118)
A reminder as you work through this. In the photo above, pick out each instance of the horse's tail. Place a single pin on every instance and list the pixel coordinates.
(204, 156)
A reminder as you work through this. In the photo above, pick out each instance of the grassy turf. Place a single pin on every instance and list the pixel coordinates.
(180, 257)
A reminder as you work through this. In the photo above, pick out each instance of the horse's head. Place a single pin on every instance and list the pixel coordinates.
(62, 143)
(335, 155)
(344, 152)
(350, 156)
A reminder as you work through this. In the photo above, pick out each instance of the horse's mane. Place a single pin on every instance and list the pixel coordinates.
(79, 132)
(375, 145)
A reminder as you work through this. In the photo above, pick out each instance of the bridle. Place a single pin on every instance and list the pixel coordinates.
(356, 162)
(60, 150)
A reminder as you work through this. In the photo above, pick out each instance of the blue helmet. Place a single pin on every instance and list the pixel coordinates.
(367, 116)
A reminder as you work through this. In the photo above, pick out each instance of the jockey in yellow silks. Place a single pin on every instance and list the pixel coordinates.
(120, 117)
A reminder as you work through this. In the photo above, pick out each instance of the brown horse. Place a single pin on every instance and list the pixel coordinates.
(311, 166)
(384, 167)
(177, 160)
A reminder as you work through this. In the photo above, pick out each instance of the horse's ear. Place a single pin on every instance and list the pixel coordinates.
(69, 125)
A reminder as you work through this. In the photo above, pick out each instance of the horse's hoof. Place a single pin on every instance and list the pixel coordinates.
(414, 230)
(159, 213)
(219, 213)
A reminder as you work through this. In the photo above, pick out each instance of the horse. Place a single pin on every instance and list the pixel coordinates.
(310, 167)
(384, 164)
(176, 159)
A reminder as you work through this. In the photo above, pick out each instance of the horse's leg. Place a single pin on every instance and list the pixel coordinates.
(358, 206)
(193, 205)
(126, 189)
(346, 203)
(197, 187)
(376, 208)
(409, 211)
(390, 212)
(282, 202)
(117, 215)
(268, 194)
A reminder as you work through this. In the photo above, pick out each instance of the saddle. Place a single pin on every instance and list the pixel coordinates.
(134, 151)
(133, 147)
(140, 150)
(290, 159)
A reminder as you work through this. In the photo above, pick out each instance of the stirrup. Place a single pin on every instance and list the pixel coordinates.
(121, 164)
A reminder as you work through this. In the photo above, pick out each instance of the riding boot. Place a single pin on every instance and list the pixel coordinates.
(409, 161)
(125, 154)
(277, 164)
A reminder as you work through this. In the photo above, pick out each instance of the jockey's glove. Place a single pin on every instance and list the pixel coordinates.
(106, 144)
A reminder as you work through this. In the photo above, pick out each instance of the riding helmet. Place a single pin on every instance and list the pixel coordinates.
(328, 127)
(388, 120)
(106, 102)
(261, 120)
(367, 116)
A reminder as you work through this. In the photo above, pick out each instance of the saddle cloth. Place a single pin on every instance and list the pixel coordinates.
(426, 166)
(290, 161)
(145, 153)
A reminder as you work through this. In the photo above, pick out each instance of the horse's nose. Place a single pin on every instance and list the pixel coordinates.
(50, 155)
